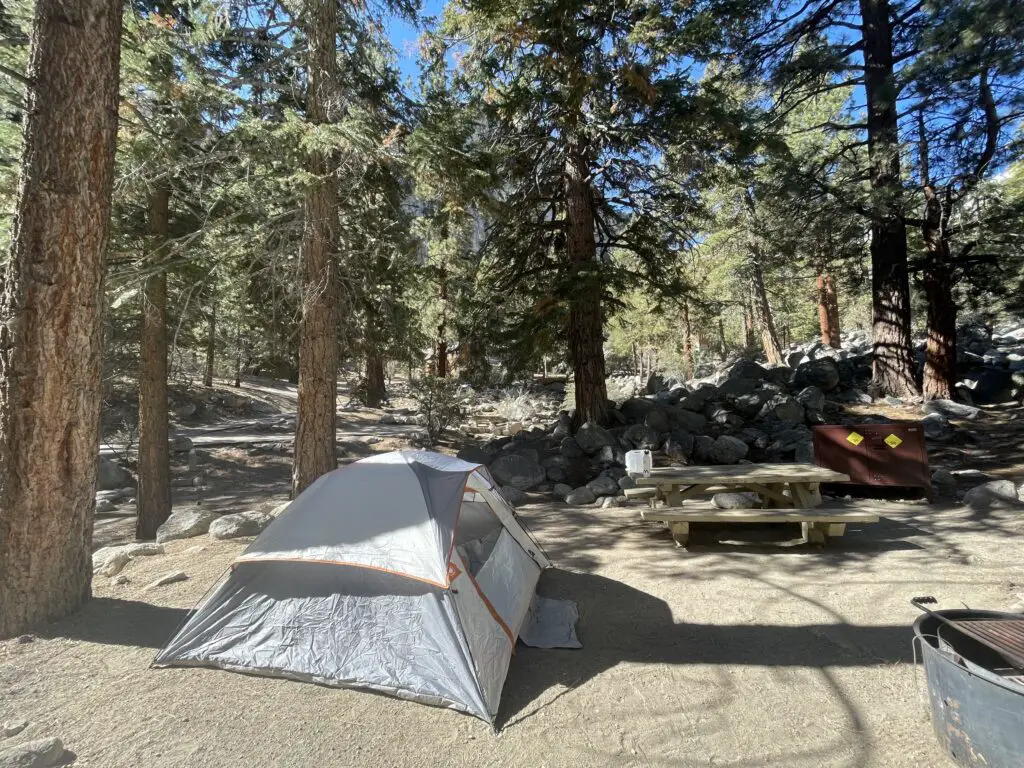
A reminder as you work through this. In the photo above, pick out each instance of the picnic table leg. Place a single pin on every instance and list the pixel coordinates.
(815, 533)
(680, 533)
(771, 495)
(805, 497)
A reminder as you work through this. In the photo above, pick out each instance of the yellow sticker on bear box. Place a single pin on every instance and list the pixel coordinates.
(855, 438)
(893, 442)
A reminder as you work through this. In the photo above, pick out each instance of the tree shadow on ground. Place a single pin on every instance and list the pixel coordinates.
(111, 621)
(619, 623)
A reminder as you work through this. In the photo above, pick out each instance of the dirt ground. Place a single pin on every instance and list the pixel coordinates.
(736, 652)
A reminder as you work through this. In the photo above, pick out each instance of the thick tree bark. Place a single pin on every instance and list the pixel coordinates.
(828, 310)
(937, 279)
(318, 346)
(586, 321)
(441, 354)
(50, 313)
(154, 497)
(893, 372)
(375, 389)
(211, 344)
(762, 313)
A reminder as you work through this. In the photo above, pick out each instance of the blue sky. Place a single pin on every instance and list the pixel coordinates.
(403, 36)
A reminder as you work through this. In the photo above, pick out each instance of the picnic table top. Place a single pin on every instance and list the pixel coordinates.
(738, 474)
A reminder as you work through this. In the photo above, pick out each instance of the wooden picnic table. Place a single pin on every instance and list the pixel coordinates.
(780, 486)
(789, 492)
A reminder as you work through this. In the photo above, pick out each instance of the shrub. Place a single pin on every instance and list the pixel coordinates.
(515, 405)
(439, 404)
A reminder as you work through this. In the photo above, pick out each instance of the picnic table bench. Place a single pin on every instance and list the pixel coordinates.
(789, 493)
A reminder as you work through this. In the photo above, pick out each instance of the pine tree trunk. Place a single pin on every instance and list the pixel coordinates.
(441, 350)
(318, 346)
(586, 321)
(688, 365)
(749, 332)
(441, 355)
(238, 357)
(762, 313)
(375, 389)
(938, 279)
(50, 313)
(211, 344)
(154, 496)
(893, 372)
(828, 311)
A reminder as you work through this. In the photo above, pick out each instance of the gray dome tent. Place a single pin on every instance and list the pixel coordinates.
(404, 573)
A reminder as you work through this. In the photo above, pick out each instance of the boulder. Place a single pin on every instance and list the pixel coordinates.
(611, 455)
(179, 444)
(556, 474)
(823, 374)
(658, 420)
(737, 501)
(997, 494)
(733, 388)
(746, 369)
(951, 409)
(473, 454)
(804, 452)
(782, 408)
(642, 437)
(249, 523)
(519, 471)
(780, 378)
(592, 438)
(279, 509)
(688, 421)
(702, 445)
(695, 400)
(753, 437)
(609, 502)
(727, 450)
(655, 383)
(991, 385)
(111, 476)
(636, 409)
(748, 406)
(570, 449)
(626, 482)
(679, 446)
(41, 753)
(109, 561)
(561, 490)
(944, 484)
(937, 427)
(580, 496)
(513, 495)
(812, 399)
(603, 486)
(721, 415)
(185, 524)
(167, 578)
(854, 395)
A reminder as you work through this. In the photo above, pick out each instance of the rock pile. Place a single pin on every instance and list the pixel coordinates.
(745, 412)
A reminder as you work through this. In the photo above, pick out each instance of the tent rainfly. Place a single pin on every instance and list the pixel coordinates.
(405, 573)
